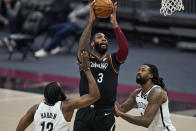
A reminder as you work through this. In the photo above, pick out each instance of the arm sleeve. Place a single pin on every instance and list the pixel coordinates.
(122, 52)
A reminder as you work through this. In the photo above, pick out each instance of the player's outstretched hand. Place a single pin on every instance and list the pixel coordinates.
(92, 13)
(113, 16)
(85, 64)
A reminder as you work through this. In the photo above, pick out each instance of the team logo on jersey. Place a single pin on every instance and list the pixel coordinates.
(101, 65)
(141, 105)
(145, 96)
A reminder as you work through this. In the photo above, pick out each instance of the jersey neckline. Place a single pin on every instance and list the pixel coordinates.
(97, 57)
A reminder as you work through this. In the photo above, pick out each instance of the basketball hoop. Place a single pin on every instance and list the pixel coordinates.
(168, 7)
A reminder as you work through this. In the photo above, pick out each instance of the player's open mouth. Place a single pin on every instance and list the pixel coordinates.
(103, 45)
(138, 76)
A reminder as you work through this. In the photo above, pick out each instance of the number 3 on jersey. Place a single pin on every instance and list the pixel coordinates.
(100, 78)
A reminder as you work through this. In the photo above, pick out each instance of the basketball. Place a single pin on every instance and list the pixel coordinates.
(103, 8)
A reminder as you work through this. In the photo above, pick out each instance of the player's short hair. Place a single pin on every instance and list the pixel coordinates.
(53, 92)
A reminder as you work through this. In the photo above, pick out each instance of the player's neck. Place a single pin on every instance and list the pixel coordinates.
(146, 87)
(98, 54)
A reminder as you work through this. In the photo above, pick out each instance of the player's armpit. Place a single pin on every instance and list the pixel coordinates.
(130, 102)
(27, 119)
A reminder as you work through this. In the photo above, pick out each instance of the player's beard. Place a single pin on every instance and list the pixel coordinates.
(141, 80)
(100, 50)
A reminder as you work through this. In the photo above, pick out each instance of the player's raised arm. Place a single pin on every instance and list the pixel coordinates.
(86, 35)
(122, 52)
(94, 93)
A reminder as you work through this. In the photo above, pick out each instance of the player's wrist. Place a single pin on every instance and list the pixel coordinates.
(91, 20)
(120, 113)
(115, 24)
(86, 69)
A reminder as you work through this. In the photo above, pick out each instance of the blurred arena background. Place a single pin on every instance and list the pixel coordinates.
(166, 41)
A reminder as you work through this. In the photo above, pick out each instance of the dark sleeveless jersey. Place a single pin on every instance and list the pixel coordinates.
(105, 72)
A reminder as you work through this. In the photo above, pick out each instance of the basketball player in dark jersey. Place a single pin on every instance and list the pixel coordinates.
(55, 112)
(100, 115)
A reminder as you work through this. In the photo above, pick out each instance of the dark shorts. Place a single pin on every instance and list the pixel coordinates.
(91, 119)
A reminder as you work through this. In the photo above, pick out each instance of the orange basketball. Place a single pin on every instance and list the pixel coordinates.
(103, 8)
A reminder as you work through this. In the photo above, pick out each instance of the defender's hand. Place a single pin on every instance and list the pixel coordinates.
(85, 64)
(92, 13)
(117, 109)
(113, 16)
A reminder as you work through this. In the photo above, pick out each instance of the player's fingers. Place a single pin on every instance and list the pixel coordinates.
(115, 4)
(117, 104)
(85, 53)
(93, 3)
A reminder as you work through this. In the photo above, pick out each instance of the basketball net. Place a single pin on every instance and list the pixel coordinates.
(168, 7)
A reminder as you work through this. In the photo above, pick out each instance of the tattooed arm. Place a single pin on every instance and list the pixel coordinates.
(130, 102)
(156, 97)
(86, 35)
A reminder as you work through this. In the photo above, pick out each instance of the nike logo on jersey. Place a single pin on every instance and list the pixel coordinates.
(105, 59)
(106, 114)
(145, 96)
(141, 105)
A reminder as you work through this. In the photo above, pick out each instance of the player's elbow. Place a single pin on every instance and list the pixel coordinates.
(95, 97)
(98, 96)
(146, 124)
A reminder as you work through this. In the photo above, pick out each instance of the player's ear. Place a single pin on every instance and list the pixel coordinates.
(150, 76)
(92, 44)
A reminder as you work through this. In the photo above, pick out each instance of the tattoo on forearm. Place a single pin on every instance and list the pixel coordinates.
(137, 120)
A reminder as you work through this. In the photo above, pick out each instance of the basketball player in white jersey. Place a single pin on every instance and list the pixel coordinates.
(56, 111)
(151, 100)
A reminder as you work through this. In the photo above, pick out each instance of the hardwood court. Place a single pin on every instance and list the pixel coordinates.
(15, 103)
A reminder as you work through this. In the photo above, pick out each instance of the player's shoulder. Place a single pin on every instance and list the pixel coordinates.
(135, 92)
(33, 109)
(158, 93)
(157, 89)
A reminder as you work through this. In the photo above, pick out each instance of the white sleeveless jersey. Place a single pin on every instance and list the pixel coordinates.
(161, 121)
(50, 118)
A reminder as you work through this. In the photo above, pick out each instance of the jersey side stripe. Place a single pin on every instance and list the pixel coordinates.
(61, 105)
(162, 118)
(110, 58)
(113, 127)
